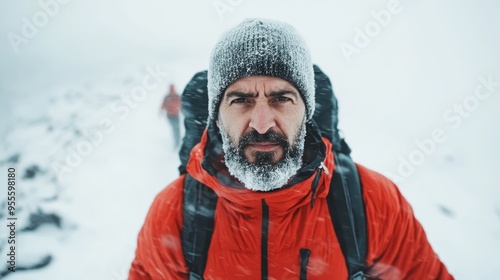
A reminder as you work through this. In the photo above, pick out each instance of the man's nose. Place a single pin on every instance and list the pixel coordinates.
(263, 117)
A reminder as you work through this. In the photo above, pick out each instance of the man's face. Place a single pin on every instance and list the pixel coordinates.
(262, 123)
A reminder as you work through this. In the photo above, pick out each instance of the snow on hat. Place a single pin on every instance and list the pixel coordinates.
(260, 47)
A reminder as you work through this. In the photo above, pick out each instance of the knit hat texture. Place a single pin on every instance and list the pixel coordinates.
(260, 47)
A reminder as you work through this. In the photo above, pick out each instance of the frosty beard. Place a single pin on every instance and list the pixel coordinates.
(264, 174)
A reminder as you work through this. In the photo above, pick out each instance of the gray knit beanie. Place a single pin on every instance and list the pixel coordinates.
(260, 47)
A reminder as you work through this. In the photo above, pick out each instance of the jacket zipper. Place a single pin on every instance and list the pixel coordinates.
(264, 238)
(304, 260)
(321, 168)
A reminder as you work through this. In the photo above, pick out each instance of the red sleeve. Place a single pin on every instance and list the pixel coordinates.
(159, 249)
(397, 245)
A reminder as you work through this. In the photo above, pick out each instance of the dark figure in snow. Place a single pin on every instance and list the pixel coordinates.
(172, 107)
(260, 195)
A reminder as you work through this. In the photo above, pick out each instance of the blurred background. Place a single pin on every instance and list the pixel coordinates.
(82, 83)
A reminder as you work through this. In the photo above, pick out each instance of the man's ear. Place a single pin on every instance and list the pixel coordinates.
(217, 123)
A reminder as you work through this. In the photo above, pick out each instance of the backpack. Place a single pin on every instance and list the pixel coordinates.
(345, 201)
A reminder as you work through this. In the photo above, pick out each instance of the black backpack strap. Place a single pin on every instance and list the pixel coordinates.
(198, 213)
(345, 202)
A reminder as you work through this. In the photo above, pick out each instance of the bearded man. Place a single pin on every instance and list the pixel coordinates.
(267, 163)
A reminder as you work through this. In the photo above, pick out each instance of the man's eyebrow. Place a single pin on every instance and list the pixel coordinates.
(238, 94)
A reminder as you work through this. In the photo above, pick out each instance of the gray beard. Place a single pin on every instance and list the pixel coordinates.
(266, 176)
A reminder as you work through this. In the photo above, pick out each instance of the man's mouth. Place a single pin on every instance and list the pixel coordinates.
(263, 146)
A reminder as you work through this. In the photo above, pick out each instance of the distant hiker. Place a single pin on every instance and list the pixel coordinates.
(270, 193)
(172, 106)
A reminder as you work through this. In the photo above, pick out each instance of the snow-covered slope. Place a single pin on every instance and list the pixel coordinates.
(90, 162)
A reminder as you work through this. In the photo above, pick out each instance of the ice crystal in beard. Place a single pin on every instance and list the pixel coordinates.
(264, 174)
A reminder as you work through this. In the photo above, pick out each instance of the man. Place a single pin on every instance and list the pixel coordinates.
(172, 106)
(271, 171)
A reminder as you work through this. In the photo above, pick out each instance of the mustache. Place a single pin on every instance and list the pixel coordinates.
(269, 136)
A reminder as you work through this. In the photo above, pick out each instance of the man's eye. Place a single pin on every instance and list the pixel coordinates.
(239, 100)
(283, 99)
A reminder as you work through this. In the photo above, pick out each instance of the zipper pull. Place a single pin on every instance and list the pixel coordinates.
(325, 169)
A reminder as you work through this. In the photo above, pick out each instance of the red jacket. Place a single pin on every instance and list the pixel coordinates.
(397, 245)
(172, 104)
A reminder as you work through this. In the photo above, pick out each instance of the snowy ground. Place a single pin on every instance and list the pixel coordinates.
(67, 83)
